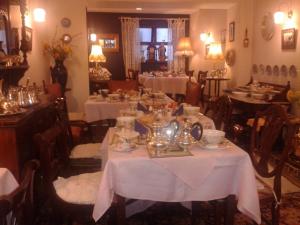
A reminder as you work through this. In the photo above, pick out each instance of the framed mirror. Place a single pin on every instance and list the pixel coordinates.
(4, 32)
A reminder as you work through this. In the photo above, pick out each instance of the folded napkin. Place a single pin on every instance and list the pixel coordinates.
(140, 128)
(178, 111)
(142, 108)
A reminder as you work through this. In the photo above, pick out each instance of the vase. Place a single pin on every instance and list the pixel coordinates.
(59, 74)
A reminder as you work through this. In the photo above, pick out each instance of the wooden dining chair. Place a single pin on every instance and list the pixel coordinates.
(190, 74)
(192, 93)
(132, 74)
(202, 81)
(71, 197)
(220, 111)
(18, 206)
(264, 142)
(127, 85)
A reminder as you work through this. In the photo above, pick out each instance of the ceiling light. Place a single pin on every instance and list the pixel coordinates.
(138, 9)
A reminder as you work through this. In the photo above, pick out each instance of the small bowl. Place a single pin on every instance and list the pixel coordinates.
(113, 96)
(213, 137)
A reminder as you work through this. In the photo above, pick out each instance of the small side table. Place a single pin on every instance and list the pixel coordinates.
(217, 81)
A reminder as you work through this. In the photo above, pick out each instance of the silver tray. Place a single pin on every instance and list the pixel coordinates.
(21, 111)
(172, 151)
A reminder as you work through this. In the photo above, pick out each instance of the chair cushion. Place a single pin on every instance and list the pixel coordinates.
(90, 150)
(79, 189)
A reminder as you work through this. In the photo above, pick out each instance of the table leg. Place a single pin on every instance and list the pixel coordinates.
(120, 216)
(216, 85)
(209, 82)
(230, 208)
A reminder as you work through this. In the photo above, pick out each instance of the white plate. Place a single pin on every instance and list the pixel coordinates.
(240, 93)
(225, 144)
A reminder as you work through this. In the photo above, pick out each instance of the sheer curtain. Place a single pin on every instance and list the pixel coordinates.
(176, 29)
(131, 43)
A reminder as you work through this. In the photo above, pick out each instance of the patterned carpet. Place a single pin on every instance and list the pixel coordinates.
(175, 214)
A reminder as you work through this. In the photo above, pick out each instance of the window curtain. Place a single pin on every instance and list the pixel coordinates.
(176, 29)
(131, 43)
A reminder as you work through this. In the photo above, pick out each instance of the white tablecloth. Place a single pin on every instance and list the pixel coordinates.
(102, 110)
(207, 175)
(170, 85)
(8, 182)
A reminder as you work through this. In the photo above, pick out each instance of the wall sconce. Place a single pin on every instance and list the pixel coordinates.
(280, 17)
(215, 51)
(207, 37)
(39, 15)
(93, 37)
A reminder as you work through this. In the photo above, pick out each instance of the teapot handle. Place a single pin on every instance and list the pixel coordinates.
(197, 131)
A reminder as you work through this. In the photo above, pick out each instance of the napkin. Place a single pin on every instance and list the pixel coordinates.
(142, 108)
(140, 128)
(178, 111)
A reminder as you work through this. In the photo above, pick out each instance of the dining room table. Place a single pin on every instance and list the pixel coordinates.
(8, 183)
(98, 108)
(203, 175)
(167, 83)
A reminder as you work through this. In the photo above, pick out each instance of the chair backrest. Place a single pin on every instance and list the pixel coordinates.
(220, 111)
(19, 203)
(54, 151)
(132, 74)
(266, 138)
(114, 85)
(190, 73)
(202, 75)
(192, 93)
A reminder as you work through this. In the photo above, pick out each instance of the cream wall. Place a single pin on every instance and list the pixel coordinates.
(77, 65)
(270, 52)
(205, 20)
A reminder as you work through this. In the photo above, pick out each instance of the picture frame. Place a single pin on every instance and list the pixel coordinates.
(28, 38)
(109, 42)
(288, 39)
(231, 31)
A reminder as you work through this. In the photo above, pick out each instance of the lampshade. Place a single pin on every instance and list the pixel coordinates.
(184, 47)
(97, 54)
(215, 51)
(39, 15)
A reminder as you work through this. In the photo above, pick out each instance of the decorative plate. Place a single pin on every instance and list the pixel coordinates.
(254, 69)
(276, 70)
(293, 71)
(66, 38)
(269, 70)
(65, 22)
(267, 27)
(261, 69)
(230, 57)
(284, 70)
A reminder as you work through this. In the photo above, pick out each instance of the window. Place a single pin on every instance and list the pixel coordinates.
(153, 35)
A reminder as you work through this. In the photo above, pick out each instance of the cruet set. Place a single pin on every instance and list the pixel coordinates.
(173, 136)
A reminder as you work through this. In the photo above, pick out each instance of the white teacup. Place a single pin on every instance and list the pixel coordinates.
(213, 137)
(125, 121)
(191, 110)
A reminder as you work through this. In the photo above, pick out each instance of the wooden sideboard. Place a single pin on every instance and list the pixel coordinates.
(16, 136)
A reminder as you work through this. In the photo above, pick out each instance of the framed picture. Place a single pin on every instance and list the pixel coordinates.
(28, 38)
(231, 31)
(109, 42)
(288, 39)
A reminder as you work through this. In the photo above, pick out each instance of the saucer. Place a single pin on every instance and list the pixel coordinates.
(223, 145)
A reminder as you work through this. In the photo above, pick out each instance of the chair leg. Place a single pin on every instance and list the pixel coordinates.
(120, 210)
(218, 212)
(275, 214)
(230, 207)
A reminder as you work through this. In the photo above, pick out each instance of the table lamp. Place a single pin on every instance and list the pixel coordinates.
(184, 48)
(97, 57)
(215, 53)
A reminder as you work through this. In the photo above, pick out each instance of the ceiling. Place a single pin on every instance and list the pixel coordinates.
(157, 6)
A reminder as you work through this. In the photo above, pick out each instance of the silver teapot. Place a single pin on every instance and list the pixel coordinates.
(157, 140)
(189, 134)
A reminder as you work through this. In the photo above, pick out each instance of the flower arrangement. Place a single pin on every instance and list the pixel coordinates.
(58, 50)
(293, 96)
